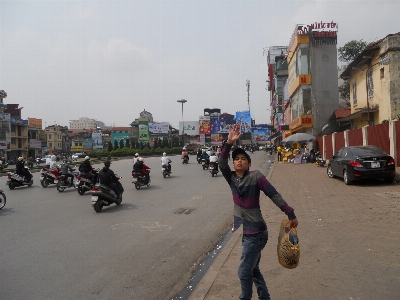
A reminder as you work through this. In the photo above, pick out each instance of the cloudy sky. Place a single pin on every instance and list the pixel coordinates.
(110, 60)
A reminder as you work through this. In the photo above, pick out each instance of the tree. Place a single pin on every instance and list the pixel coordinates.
(115, 144)
(344, 90)
(121, 143)
(350, 50)
(128, 143)
(110, 148)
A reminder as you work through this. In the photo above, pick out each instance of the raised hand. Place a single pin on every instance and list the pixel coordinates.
(233, 134)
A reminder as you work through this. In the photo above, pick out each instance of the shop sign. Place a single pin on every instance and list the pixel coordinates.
(304, 121)
(3, 144)
(323, 33)
(76, 148)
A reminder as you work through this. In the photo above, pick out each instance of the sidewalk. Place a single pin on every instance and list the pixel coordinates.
(348, 236)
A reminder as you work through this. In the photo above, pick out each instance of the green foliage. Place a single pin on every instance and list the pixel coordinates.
(146, 150)
(350, 50)
(109, 147)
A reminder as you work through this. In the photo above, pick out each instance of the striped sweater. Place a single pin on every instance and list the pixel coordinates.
(246, 196)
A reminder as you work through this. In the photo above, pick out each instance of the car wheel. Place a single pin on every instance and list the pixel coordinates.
(346, 179)
(329, 172)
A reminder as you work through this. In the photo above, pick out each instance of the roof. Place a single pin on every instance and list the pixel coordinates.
(121, 128)
(362, 56)
(342, 112)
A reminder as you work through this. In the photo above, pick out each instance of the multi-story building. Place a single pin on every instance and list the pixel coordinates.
(85, 123)
(34, 142)
(18, 132)
(57, 139)
(312, 79)
(4, 126)
(374, 78)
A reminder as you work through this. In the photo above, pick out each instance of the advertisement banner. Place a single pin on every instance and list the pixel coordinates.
(225, 120)
(35, 144)
(143, 130)
(122, 135)
(87, 144)
(244, 121)
(3, 144)
(204, 125)
(97, 141)
(214, 125)
(15, 121)
(158, 129)
(202, 139)
(73, 148)
(4, 117)
(216, 138)
(260, 133)
(191, 127)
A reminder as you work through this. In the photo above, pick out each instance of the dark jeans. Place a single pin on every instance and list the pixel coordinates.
(115, 189)
(249, 270)
(66, 178)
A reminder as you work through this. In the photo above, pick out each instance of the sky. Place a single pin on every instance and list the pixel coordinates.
(110, 60)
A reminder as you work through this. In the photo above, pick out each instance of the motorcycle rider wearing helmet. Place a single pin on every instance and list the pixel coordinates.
(199, 153)
(135, 158)
(21, 170)
(214, 159)
(107, 177)
(184, 153)
(65, 170)
(165, 161)
(204, 155)
(86, 169)
(141, 168)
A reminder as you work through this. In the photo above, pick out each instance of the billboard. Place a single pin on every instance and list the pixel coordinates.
(4, 117)
(191, 127)
(87, 144)
(244, 121)
(214, 125)
(260, 133)
(121, 135)
(3, 144)
(225, 120)
(97, 140)
(216, 137)
(158, 129)
(204, 125)
(143, 130)
(35, 144)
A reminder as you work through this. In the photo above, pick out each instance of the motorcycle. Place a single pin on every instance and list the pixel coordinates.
(85, 183)
(38, 161)
(205, 164)
(165, 171)
(185, 160)
(320, 160)
(65, 183)
(198, 159)
(140, 180)
(49, 176)
(2, 199)
(15, 180)
(213, 169)
(103, 195)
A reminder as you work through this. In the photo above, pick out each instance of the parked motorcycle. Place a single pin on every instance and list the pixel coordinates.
(14, 180)
(165, 171)
(205, 164)
(65, 182)
(320, 160)
(49, 176)
(185, 160)
(103, 195)
(2, 199)
(213, 169)
(140, 180)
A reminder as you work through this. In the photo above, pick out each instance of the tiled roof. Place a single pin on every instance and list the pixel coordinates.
(342, 112)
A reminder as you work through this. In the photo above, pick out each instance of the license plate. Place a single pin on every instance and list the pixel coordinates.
(55, 180)
(134, 179)
(211, 168)
(94, 198)
(375, 164)
(162, 169)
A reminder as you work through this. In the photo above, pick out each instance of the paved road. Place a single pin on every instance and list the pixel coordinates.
(53, 245)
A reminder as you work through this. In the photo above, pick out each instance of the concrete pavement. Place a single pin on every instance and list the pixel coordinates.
(348, 235)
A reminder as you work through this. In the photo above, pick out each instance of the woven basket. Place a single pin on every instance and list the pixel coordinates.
(288, 254)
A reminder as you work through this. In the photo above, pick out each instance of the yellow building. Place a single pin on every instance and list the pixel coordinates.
(376, 72)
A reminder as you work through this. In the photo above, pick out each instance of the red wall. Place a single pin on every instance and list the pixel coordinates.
(379, 136)
(339, 141)
(328, 146)
(355, 137)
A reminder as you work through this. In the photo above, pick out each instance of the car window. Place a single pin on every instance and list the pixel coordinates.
(368, 151)
(339, 153)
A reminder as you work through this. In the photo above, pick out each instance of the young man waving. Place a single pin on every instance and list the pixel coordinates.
(246, 187)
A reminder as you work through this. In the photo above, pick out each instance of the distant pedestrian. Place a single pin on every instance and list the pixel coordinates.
(279, 150)
(246, 187)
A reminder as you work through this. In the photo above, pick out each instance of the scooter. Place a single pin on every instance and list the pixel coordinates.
(65, 183)
(14, 180)
(140, 180)
(213, 169)
(198, 158)
(205, 163)
(165, 171)
(320, 160)
(49, 176)
(2, 199)
(185, 160)
(103, 195)
(38, 161)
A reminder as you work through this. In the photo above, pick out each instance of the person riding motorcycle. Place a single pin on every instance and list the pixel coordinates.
(107, 177)
(65, 170)
(86, 169)
(141, 168)
(165, 161)
(135, 158)
(204, 155)
(53, 163)
(21, 170)
(198, 153)
(185, 154)
(214, 159)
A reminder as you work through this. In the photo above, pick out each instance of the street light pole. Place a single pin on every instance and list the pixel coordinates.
(183, 123)
(384, 61)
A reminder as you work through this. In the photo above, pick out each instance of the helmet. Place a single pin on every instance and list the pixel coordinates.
(164, 154)
(136, 154)
(184, 148)
(87, 158)
(53, 157)
(141, 159)
(20, 158)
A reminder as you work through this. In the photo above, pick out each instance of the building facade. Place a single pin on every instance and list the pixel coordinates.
(85, 123)
(374, 78)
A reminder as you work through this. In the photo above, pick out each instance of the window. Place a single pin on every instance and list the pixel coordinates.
(382, 73)
(354, 93)
(50, 145)
(50, 137)
(370, 84)
(13, 141)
